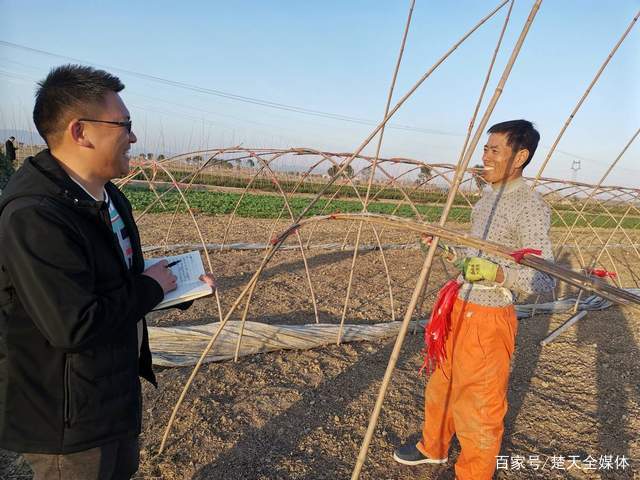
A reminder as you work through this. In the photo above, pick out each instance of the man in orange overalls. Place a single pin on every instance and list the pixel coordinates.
(467, 394)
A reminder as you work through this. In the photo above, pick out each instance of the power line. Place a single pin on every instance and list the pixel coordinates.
(231, 96)
(30, 80)
(240, 98)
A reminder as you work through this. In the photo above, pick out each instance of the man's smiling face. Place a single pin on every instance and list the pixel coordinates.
(499, 159)
(111, 143)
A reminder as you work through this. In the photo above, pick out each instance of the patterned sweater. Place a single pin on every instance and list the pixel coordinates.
(515, 216)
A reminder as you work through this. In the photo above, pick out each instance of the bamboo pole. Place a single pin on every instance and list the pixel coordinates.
(151, 186)
(242, 323)
(577, 279)
(434, 244)
(206, 252)
(325, 208)
(237, 205)
(562, 328)
(175, 212)
(291, 193)
(375, 232)
(382, 256)
(205, 352)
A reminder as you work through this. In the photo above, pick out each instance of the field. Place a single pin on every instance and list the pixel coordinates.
(425, 193)
(290, 182)
(261, 205)
(303, 414)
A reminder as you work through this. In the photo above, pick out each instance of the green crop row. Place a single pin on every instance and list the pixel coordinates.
(271, 206)
(378, 192)
(265, 184)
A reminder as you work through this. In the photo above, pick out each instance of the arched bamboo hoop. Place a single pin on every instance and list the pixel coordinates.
(379, 243)
(206, 252)
(293, 191)
(304, 260)
(238, 203)
(175, 212)
(152, 187)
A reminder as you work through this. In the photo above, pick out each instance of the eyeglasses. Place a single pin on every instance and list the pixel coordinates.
(126, 124)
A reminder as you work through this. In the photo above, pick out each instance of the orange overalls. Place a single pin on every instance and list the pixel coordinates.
(467, 394)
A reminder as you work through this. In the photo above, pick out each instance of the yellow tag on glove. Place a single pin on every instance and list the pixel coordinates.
(476, 269)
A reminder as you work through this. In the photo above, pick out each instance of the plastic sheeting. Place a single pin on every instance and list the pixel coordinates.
(592, 302)
(182, 346)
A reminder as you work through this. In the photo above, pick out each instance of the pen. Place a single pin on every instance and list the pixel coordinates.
(173, 263)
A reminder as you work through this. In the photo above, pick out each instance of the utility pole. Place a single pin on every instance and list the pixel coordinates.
(575, 166)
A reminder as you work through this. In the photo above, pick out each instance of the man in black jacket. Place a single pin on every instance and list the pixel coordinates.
(10, 149)
(73, 289)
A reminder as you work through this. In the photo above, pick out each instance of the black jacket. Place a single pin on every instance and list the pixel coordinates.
(69, 306)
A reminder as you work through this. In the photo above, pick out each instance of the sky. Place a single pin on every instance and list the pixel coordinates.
(317, 74)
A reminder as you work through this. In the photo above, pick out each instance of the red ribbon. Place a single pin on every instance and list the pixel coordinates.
(436, 332)
(600, 272)
(518, 254)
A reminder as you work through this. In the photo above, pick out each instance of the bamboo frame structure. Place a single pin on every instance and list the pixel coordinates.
(597, 221)
(565, 198)
(269, 254)
(576, 206)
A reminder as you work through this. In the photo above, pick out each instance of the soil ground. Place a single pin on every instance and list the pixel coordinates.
(303, 414)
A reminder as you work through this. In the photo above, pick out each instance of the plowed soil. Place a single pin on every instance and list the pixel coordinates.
(303, 414)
